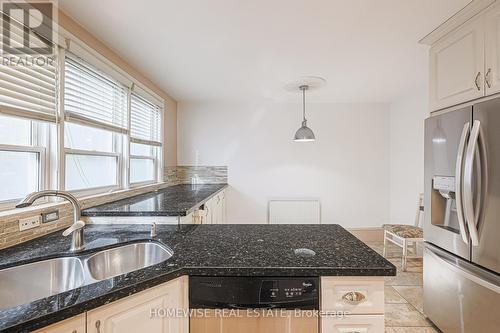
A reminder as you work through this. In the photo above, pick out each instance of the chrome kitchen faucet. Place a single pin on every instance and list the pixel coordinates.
(76, 229)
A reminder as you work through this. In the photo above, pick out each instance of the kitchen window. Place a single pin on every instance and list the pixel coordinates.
(78, 123)
(23, 158)
(95, 122)
(28, 104)
(145, 140)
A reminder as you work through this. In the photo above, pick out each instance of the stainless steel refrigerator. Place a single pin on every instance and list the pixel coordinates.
(462, 219)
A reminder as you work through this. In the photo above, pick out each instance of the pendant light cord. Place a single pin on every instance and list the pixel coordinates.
(303, 88)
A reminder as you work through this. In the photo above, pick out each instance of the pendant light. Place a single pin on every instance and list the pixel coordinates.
(304, 133)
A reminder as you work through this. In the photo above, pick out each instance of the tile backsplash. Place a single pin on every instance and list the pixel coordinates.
(9, 220)
(202, 174)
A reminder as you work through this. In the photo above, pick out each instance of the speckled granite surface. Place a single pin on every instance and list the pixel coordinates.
(217, 250)
(177, 200)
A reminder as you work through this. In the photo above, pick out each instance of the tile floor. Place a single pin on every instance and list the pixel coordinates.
(403, 295)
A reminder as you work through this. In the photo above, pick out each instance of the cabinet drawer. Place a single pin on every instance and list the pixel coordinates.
(353, 324)
(354, 295)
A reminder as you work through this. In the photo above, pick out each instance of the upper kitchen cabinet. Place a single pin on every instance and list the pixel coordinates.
(465, 55)
(492, 50)
(457, 66)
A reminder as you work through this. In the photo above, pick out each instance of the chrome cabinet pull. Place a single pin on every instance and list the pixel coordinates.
(98, 326)
(476, 81)
(458, 183)
(353, 298)
(487, 78)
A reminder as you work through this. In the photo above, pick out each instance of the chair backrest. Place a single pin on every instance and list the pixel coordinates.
(420, 210)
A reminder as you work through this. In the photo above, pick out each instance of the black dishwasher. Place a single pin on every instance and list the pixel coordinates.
(254, 293)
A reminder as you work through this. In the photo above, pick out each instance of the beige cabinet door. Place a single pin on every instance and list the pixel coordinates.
(457, 66)
(254, 321)
(492, 51)
(71, 325)
(156, 310)
(219, 210)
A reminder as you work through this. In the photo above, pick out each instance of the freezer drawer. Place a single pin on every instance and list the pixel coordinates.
(459, 297)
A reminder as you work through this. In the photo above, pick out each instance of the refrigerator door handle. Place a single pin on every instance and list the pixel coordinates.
(471, 213)
(463, 271)
(458, 183)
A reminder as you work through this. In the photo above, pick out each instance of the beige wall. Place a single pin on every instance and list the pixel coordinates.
(170, 119)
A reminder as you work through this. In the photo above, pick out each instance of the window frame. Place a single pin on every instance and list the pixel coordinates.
(118, 151)
(96, 189)
(156, 151)
(43, 151)
(153, 157)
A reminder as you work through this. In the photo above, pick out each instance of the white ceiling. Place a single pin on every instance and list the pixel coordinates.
(367, 50)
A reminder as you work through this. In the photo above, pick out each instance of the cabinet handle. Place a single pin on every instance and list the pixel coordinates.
(98, 326)
(487, 78)
(353, 298)
(476, 81)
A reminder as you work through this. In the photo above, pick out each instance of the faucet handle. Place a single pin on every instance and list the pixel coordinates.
(75, 226)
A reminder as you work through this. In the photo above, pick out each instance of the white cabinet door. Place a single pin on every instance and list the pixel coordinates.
(457, 66)
(492, 50)
(71, 325)
(147, 311)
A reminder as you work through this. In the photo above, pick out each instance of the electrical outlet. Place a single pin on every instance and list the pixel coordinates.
(51, 216)
(29, 222)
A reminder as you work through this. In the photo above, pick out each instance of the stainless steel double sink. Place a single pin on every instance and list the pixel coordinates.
(25, 283)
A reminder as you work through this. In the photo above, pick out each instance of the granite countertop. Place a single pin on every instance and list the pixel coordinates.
(177, 200)
(209, 250)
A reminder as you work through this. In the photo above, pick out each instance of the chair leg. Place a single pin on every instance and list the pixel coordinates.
(405, 254)
(384, 251)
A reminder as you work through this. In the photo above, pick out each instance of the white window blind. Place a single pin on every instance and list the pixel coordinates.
(92, 97)
(27, 89)
(145, 121)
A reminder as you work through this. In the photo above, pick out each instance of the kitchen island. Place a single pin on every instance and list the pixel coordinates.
(198, 250)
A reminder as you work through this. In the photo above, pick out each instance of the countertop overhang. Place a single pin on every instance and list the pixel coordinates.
(176, 200)
(209, 250)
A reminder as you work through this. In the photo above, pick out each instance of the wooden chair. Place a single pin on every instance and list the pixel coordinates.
(404, 235)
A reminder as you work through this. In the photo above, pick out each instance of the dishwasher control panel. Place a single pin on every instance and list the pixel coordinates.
(253, 292)
(284, 290)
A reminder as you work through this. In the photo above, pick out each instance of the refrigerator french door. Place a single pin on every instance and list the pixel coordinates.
(462, 219)
(446, 139)
(484, 151)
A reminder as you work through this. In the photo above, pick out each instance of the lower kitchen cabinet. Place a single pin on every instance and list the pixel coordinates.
(213, 211)
(354, 323)
(348, 304)
(243, 321)
(72, 325)
(146, 311)
(355, 304)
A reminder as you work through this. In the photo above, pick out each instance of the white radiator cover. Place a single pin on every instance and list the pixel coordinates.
(294, 212)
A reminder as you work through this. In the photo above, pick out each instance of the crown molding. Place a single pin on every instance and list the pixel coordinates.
(462, 16)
